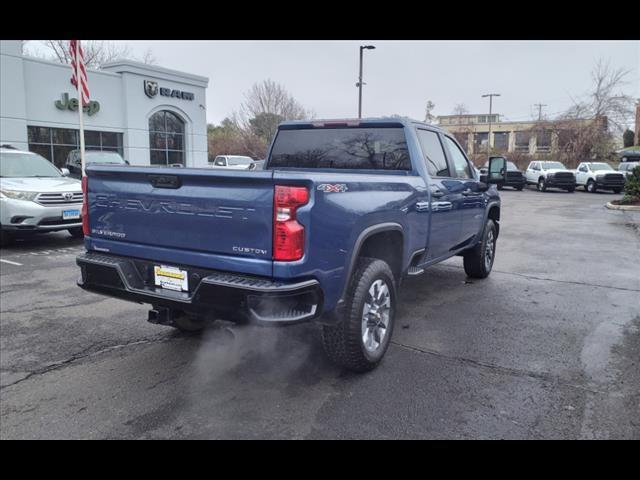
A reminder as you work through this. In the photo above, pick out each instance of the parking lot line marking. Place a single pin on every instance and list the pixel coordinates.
(9, 261)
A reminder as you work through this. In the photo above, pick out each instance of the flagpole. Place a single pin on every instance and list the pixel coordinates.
(80, 105)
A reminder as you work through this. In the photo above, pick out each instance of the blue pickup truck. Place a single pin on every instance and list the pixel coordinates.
(326, 232)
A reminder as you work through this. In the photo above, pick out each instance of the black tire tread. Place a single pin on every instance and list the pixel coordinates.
(342, 342)
(473, 259)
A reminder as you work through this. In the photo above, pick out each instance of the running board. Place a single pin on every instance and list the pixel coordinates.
(415, 271)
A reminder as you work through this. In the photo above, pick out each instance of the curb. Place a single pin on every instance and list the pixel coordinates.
(633, 208)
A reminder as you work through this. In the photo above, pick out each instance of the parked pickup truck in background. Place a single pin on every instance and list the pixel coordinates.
(515, 178)
(593, 176)
(547, 174)
(342, 212)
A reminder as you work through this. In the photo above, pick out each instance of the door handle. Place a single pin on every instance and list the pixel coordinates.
(422, 207)
(437, 193)
(470, 193)
(441, 206)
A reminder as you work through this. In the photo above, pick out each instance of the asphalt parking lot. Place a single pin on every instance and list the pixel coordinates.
(547, 347)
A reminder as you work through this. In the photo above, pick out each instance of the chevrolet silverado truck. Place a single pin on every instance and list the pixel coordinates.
(342, 212)
(547, 174)
(594, 176)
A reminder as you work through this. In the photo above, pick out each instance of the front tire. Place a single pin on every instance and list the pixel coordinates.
(5, 239)
(591, 186)
(519, 187)
(478, 261)
(571, 189)
(541, 186)
(617, 190)
(76, 232)
(359, 341)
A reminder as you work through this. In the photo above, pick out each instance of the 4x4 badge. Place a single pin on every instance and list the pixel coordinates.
(332, 187)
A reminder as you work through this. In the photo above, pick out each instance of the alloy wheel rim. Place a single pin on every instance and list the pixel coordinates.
(489, 250)
(375, 315)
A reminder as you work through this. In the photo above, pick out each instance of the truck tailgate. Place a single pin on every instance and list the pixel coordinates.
(224, 217)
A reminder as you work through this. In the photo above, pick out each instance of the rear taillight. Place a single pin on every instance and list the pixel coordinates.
(85, 206)
(288, 234)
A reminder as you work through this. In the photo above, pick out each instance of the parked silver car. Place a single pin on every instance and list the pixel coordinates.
(36, 197)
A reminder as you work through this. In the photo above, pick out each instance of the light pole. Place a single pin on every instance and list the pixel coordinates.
(490, 95)
(359, 84)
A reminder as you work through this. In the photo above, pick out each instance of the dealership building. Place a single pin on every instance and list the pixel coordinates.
(150, 115)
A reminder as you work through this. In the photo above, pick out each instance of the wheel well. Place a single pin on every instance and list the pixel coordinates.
(387, 246)
(494, 214)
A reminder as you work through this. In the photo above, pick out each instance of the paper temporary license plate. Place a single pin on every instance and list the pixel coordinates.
(171, 278)
(70, 214)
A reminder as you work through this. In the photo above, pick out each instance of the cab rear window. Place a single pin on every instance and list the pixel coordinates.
(341, 148)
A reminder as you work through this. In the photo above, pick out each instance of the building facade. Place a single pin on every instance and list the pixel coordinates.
(150, 115)
(472, 132)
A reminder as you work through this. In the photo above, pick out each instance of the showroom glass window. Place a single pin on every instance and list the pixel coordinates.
(166, 138)
(55, 144)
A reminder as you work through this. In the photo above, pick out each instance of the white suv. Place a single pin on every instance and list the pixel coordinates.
(232, 162)
(546, 174)
(36, 197)
(595, 176)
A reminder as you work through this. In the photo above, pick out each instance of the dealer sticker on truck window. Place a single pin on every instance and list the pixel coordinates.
(171, 278)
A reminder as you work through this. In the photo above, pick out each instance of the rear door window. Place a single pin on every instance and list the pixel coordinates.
(433, 153)
(374, 148)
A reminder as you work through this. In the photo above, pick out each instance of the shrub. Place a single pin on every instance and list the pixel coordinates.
(632, 185)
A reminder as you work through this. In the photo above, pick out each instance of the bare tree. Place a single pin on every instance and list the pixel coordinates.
(429, 117)
(606, 98)
(96, 52)
(460, 109)
(266, 104)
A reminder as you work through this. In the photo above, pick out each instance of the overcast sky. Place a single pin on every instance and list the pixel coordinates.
(400, 76)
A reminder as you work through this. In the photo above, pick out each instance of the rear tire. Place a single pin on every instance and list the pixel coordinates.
(359, 341)
(478, 261)
(76, 232)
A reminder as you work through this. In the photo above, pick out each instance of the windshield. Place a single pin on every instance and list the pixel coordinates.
(240, 161)
(600, 166)
(26, 165)
(103, 157)
(550, 165)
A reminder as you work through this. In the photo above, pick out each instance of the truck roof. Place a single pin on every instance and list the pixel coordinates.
(354, 122)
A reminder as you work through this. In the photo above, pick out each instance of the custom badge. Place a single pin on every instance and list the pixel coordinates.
(150, 88)
(332, 187)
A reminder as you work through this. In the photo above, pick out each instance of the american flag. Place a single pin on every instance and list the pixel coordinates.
(74, 48)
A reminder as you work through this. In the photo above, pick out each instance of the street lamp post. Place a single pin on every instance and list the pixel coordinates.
(359, 84)
(490, 95)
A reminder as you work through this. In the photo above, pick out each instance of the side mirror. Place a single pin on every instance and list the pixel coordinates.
(127, 162)
(497, 170)
(65, 172)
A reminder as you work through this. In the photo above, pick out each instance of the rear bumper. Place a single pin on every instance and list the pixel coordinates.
(211, 293)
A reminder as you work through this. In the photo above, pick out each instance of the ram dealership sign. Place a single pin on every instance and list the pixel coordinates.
(152, 89)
